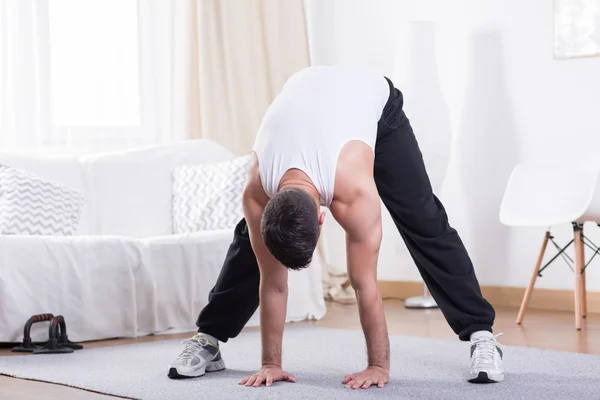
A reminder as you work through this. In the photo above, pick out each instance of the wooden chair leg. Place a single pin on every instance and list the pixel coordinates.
(534, 275)
(583, 295)
(582, 288)
(579, 265)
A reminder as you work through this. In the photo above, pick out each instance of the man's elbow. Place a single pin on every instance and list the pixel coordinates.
(273, 288)
(367, 286)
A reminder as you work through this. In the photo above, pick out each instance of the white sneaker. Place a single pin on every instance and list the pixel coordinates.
(200, 355)
(486, 358)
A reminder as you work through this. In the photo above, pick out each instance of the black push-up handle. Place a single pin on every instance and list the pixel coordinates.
(27, 346)
(58, 341)
(52, 346)
(63, 339)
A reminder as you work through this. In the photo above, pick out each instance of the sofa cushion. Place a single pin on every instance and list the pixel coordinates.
(30, 205)
(209, 196)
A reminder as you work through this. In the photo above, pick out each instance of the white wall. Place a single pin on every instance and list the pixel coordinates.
(508, 101)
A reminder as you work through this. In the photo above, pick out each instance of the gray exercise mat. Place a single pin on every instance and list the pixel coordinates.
(319, 358)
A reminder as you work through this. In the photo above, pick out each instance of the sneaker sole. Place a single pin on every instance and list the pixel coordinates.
(212, 366)
(483, 377)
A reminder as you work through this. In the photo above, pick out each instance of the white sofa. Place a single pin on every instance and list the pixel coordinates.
(124, 273)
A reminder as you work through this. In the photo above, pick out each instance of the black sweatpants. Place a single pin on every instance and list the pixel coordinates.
(421, 219)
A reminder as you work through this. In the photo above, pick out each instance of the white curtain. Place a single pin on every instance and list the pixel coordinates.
(24, 114)
(234, 57)
(80, 76)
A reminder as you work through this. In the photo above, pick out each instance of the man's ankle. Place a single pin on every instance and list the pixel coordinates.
(211, 339)
(481, 334)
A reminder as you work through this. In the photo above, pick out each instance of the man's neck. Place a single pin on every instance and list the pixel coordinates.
(296, 179)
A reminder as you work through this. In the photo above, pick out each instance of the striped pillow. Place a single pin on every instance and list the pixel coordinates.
(209, 196)
(30, 205)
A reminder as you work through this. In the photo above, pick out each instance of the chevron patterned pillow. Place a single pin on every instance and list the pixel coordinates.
(30, 205)
(209, 196)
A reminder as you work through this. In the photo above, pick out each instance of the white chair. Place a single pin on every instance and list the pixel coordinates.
(550, 195)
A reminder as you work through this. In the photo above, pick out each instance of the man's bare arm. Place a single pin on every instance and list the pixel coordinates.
(273, 280)
(361, 219)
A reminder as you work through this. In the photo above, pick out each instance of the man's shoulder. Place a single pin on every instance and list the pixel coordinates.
(354, 166)
(253, 190)
(354, 175)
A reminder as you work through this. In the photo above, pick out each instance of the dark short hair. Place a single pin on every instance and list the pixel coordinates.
(290, 228)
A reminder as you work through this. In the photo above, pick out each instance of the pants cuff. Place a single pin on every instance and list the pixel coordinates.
(217, 335)
(465, 334)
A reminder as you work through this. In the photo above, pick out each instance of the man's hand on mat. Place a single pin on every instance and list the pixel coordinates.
(267, 375)
(370, 376)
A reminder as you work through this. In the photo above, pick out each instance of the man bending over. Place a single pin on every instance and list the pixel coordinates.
(336, 136)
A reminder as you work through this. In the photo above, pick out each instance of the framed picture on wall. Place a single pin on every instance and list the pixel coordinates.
(576, 28)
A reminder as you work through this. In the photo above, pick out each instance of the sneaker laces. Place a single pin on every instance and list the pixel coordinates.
(485, 348)
(191, 347)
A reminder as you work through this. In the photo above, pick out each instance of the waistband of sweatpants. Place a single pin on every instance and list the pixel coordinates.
(393, 107)
(392, 89)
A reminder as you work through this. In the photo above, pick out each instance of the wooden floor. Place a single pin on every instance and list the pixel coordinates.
(541, 329)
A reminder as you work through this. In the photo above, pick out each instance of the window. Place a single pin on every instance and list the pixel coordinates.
(94, 65)
(79, 76)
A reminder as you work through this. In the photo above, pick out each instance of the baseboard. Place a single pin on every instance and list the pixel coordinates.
(501, 296)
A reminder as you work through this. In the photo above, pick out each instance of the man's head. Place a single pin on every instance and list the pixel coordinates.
(290, 227)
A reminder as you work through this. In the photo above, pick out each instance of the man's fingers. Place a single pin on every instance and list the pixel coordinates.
(358, 383)
(363, 381)
(250, 381)
(267, 378)
(259, 381)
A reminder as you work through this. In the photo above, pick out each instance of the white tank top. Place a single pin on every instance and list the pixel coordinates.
(318, 111)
